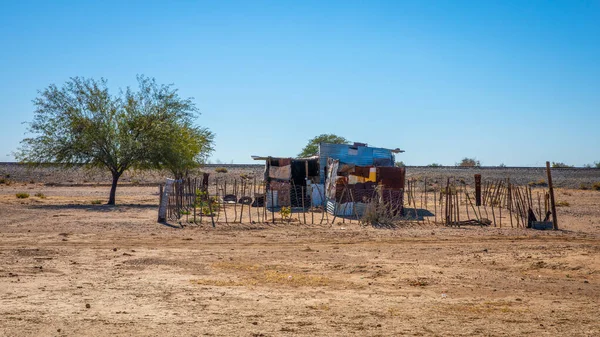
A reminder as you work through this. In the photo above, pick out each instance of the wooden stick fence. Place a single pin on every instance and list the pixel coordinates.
(442, 201)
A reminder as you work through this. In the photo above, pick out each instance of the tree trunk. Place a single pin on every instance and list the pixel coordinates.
(113, 188)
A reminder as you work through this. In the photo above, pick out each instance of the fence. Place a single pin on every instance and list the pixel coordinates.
(439, 201)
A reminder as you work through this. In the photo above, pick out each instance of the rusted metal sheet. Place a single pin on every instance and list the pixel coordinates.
(391, 177)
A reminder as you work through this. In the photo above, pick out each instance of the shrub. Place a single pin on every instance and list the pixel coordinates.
(221, 170)
(286, 213)
(208, 205)
(540, 182)
(435, 165)
(596, 186)
(469, 162)
(562, 204)
(96, 202)
(40, 195)
(399, 164)
(22, 195)
(560, 165)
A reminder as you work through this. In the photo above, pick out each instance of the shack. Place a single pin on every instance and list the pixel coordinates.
(289, 180)
(343, 178)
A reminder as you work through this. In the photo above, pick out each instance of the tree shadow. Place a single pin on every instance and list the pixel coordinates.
(170, 225)
(96, 208)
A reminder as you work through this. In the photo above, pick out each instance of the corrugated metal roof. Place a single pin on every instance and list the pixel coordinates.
(351, 154)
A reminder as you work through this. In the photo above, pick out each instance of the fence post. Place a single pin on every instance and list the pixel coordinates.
(164, 200)
(552, 204)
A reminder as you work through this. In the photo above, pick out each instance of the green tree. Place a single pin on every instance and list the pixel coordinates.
(186, 148)
(312, 148)
(596, 164)
(469, 162)
(81, 123)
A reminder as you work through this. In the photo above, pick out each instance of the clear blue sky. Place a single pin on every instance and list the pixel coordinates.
(513, 82)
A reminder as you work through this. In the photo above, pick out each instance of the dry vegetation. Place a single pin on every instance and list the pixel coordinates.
(69, 266)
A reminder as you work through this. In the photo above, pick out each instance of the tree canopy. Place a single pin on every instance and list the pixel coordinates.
(312, 148)
(81, 123)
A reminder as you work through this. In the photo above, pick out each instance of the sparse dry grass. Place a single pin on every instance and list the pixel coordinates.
(483, 308)
(256, 275)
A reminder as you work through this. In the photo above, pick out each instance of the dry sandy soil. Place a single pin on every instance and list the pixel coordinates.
(70, 268)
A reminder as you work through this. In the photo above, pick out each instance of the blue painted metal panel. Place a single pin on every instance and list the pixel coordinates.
(349, 154)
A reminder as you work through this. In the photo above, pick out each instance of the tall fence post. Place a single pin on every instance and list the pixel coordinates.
(552, 204)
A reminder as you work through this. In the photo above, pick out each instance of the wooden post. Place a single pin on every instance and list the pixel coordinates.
(236, 200)
(435, 205)
(467, 205)
(243, 189)
(552, 204)
(272, 203)
(161, 218)
(447, 215)
(478, 190)
(303, 210)
(212, 216)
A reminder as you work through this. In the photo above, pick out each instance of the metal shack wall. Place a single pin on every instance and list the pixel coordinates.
(362, 156)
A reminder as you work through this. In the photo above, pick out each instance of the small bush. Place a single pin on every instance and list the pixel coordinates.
(583, 186)
(400, 164)
(221, 170)
(40, 195)
(469, 162)
(22, 195)
(209, 206)
(452, 190)
(2, 181)
(96, 202)
(435, 165)
(596, 186)
(540, 182)
(560, 165)
(562, 204)
(286, 213)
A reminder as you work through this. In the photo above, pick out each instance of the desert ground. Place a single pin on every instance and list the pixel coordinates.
(72, 267)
